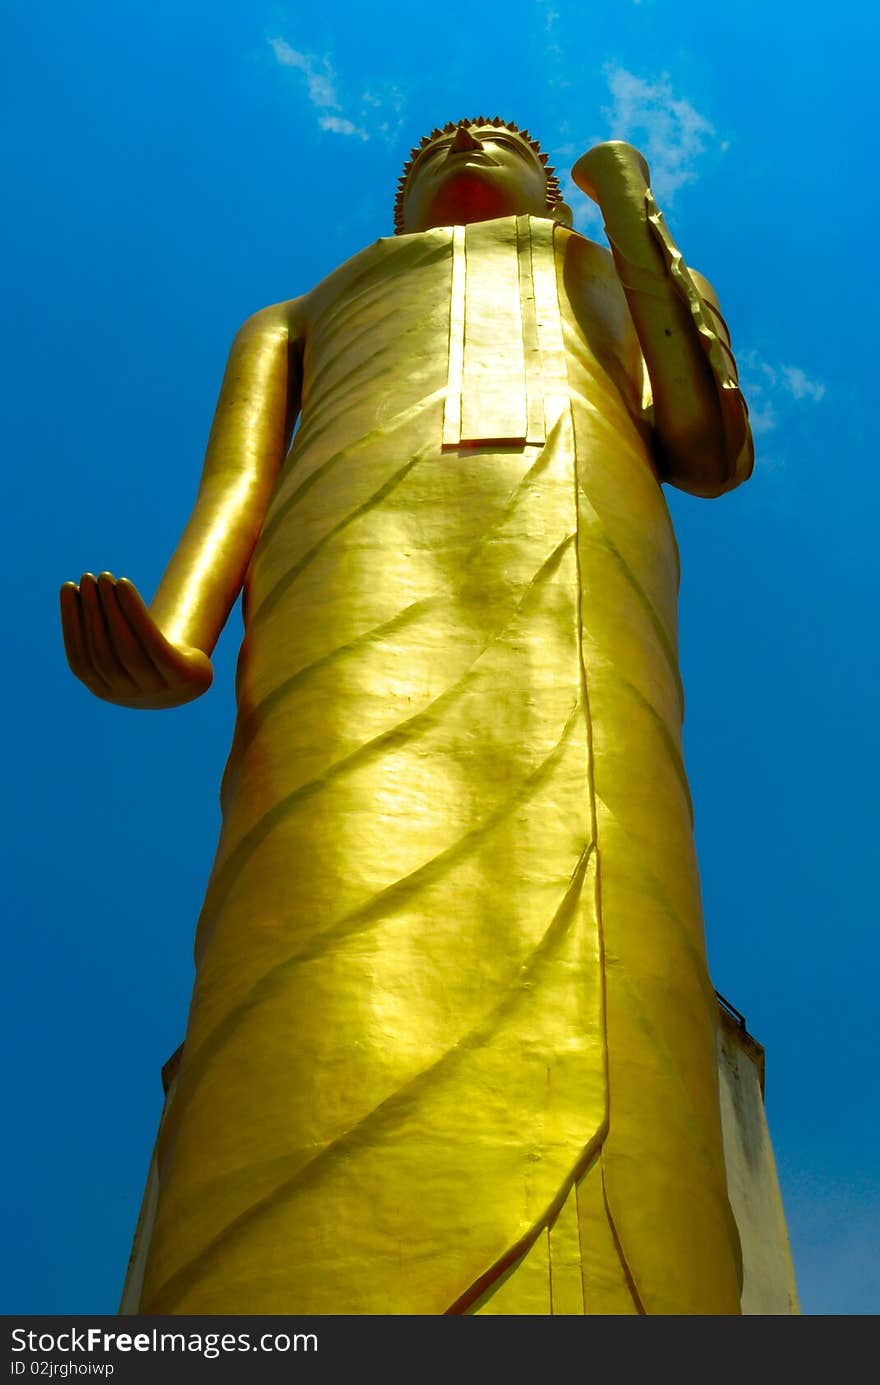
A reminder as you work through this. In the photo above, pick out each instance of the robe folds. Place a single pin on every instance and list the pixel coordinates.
(451, 1044)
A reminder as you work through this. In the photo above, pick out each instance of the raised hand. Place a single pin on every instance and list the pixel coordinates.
(616, 176)
(115, 647)
(608, 168)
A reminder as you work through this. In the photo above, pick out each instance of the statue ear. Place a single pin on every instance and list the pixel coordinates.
(561, 212)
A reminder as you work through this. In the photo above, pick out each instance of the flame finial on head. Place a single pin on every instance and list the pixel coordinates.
(554, 192)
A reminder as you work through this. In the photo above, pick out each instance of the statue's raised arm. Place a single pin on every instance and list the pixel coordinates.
(158, 657)
(702, 436)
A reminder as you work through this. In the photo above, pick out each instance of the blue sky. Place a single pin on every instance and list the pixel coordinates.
(173, 167)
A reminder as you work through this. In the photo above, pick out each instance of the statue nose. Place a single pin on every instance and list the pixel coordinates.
(463, 141)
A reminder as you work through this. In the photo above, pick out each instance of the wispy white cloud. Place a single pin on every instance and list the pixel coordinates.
(377, 112)
(319, 74)
(772, 391)
(762, 416)
(550, 54)
(338, 125)
(666, 127)
(382, 107)
(800, 385)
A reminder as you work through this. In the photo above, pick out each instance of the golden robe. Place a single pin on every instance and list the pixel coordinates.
(451, 1045)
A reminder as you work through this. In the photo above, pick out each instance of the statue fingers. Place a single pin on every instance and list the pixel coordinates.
(128, 648)
(75, 646)
(101, 654)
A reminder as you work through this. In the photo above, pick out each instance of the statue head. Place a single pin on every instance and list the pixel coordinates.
(475, 170)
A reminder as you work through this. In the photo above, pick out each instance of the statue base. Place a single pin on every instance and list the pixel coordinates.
(753, 1187)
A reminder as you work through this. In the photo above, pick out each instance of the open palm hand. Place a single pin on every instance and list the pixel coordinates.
(116, 648)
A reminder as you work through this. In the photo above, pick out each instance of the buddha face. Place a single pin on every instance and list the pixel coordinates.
(474, 173)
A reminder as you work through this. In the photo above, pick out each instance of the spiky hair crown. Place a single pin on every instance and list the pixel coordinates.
(554, 192)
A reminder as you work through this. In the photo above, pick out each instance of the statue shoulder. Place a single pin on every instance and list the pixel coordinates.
(285, 318)
(592, 283)
(596, 301)
(586, 258)
(374, 268)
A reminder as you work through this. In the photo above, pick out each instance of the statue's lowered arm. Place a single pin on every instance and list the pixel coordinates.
(700, 418)
(159, 657)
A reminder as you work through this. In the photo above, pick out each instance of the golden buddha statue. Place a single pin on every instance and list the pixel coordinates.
(451, 1042)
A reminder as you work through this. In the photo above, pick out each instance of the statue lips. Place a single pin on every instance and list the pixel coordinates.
(467, 168)
(470, 156)
(457, 161)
